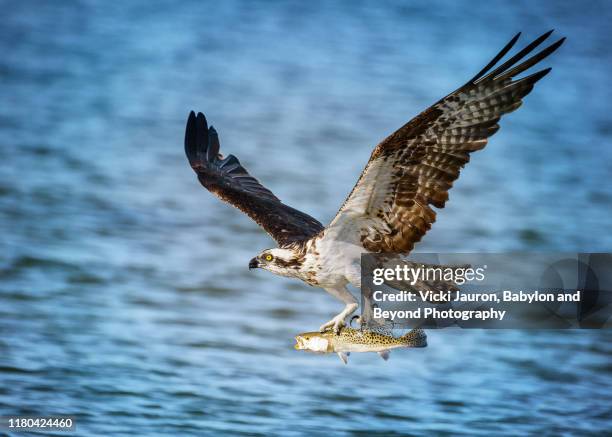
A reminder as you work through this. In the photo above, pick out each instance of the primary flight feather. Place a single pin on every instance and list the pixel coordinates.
(390, 207)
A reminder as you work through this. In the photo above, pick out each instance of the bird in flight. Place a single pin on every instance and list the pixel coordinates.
(391, 207)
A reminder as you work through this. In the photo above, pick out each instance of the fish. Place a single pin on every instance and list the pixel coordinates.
(357, 340)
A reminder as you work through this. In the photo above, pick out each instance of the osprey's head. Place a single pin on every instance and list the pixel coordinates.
(282, 262)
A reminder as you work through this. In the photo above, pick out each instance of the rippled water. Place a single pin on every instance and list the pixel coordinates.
(125, 297)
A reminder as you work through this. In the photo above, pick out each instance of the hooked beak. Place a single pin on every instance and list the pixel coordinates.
(253, 264)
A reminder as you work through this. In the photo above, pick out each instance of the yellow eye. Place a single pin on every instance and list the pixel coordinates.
(268, 257)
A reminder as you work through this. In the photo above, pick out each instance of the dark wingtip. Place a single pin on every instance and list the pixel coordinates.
(201, 133)
(213, 145)
(190, 143)
(497, 57)
(544, 72)
(533, 60)
(196, 138)
(201, 121)
(554, 46)
(201, 116)
(515, 39)
(505, 69)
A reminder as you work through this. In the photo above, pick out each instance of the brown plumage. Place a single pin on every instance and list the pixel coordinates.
(230, 181)
(414, 168)
(391, 206)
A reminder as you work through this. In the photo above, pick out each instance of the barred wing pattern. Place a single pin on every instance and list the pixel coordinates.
(390, 207)
(230, 181)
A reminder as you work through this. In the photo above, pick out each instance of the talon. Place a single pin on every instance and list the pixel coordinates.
(326, 325)
(338, 324)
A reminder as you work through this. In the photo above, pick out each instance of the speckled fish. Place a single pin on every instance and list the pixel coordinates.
(355, 340)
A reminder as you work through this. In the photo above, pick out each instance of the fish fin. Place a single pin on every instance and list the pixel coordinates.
(414, 338)
(384, 354)
(344, 356)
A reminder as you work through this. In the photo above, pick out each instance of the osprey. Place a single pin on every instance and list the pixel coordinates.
(390, 207)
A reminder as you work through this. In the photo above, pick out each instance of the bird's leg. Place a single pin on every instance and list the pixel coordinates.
(351, 306)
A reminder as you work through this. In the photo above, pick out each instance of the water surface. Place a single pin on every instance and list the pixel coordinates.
(125, 297)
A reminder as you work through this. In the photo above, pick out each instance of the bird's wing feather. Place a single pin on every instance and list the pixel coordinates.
(390, 207)
(230, 181)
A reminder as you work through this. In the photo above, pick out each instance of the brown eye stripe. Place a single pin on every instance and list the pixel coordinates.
(292, 263)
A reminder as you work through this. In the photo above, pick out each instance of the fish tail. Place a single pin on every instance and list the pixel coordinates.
(414, 338)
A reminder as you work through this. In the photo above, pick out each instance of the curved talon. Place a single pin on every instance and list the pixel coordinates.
(336, 323)
(324, 326)
(358, 320)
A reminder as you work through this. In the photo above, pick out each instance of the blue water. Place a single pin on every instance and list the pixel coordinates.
(125, 297)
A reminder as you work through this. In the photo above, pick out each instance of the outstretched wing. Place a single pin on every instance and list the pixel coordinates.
(390, 207)
(229, 180)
